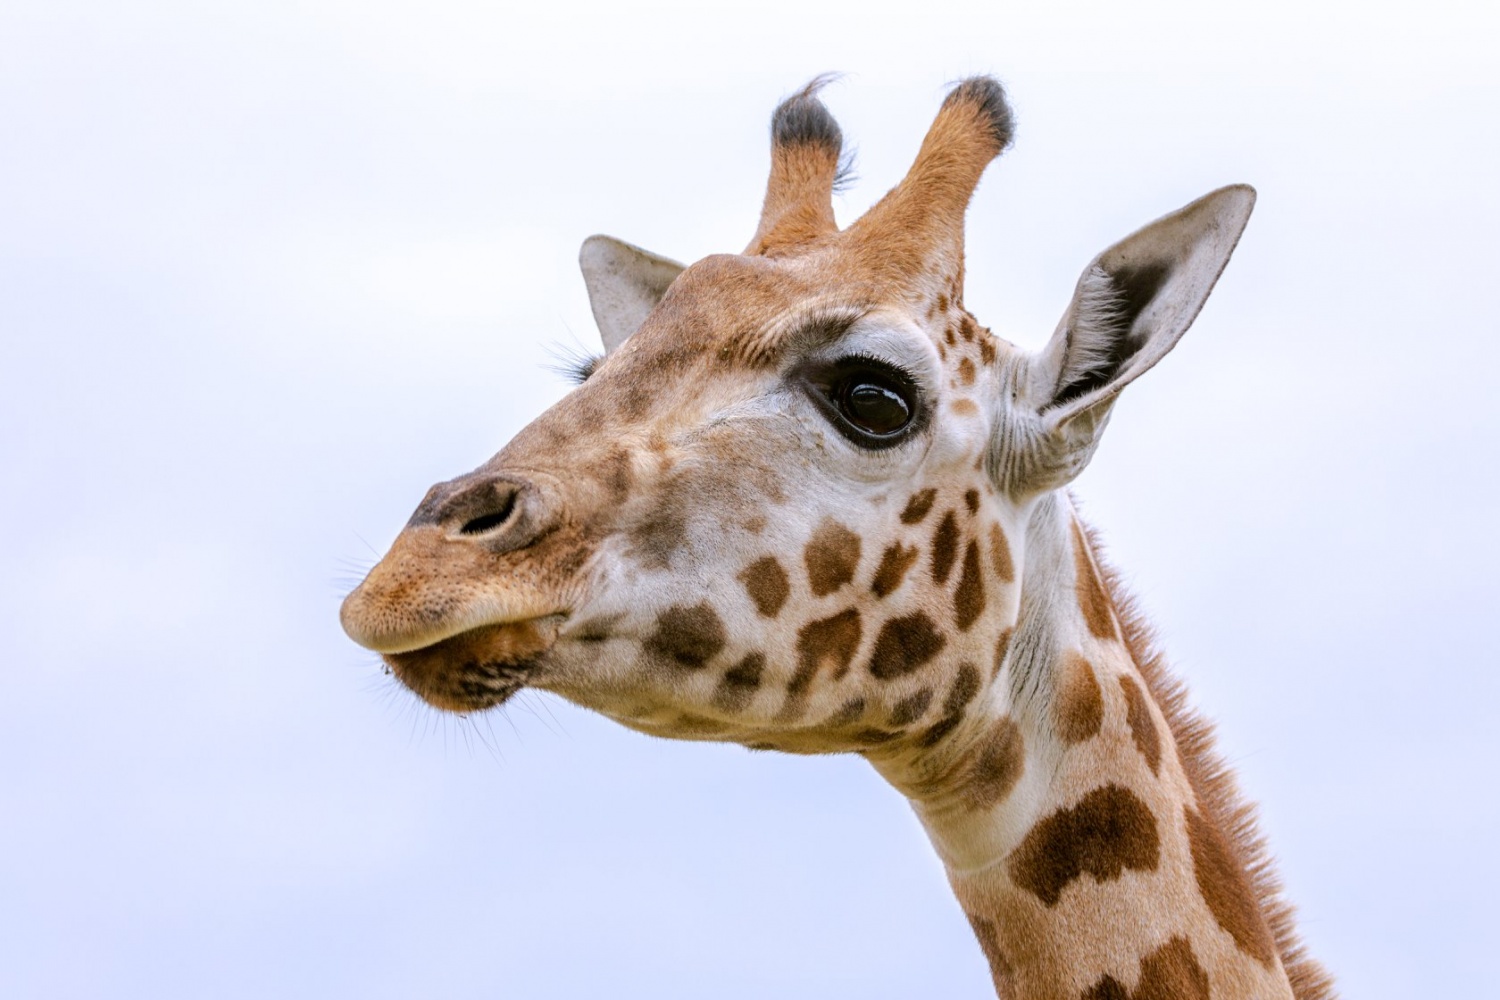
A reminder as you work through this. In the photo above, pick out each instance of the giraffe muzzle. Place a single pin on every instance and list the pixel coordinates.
(464, 564)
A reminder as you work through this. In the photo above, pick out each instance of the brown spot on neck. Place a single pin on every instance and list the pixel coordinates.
(1092, 599)
(1001, 971)
(831, 555)
(767, 584)
(1077, 702)
(1142, 728)
(1226, 891)
(1171, 972)
(1108, 831)
(998, 764)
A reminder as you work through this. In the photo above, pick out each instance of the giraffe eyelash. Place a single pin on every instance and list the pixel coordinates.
(573, 364)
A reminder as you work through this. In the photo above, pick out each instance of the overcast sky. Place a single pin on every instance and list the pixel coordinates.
(267, 271)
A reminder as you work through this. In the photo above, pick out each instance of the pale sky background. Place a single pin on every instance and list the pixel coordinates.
(267, 271)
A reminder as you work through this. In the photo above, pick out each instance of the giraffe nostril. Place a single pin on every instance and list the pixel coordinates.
(495, 518)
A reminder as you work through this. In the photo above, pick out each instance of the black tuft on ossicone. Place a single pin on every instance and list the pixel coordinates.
(986, 92)
(802, 120)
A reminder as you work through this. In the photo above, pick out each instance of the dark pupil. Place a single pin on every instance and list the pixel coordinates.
(875, 408)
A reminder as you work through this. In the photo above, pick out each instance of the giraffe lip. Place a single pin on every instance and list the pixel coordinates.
(478, 668)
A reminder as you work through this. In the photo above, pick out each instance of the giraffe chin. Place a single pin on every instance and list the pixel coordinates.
(476, 669)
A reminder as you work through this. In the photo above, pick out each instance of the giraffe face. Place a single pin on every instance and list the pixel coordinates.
(765, 518)
(788, 508)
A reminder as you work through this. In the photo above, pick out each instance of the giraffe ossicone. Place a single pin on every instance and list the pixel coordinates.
(805, 502)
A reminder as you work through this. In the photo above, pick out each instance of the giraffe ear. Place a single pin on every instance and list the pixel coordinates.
(1132, 304)
(625, 283)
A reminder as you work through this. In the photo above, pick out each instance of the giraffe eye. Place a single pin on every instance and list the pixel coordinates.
(871, 402)
(873, 406)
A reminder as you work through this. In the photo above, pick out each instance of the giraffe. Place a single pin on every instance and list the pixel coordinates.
(805, 502)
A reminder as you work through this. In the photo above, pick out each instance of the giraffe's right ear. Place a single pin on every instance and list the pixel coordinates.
(625, 283)
(1133, 303)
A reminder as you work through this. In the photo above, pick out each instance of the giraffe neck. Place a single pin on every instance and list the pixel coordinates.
(1064, 810)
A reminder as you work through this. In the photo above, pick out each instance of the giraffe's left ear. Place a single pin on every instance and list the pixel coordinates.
(625, 283)
(1132, 304)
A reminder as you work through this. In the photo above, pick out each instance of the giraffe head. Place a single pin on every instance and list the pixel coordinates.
(788, 507)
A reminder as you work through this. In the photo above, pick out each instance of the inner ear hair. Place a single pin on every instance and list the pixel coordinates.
(1102, 337)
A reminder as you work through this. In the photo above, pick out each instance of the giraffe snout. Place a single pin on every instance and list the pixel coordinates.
(480, 551)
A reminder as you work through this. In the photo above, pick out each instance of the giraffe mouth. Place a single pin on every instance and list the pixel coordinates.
(476, 669)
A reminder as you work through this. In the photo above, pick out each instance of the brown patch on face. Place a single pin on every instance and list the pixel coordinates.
(1002, 646)
(894, 562)
(944, 548)
(739, 683)
(966, 327)
(910, 708)
(1142, 729)
(964, 407)
(1078, 704)
(659, 535)
(767, 584)
(1000, 554)
(950, 337)
(965, 371)
(986, 350)
(968, 599)
(1171, 972)
(918, 506)
(831, 555)
(687, 637)
(989, 943)
(971, 501)
(1226, 891)
(1092, 599)
(826, 644)
(903, 645)
(1108, 831)
(942, 303)
(618, 473)
(997, 766)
